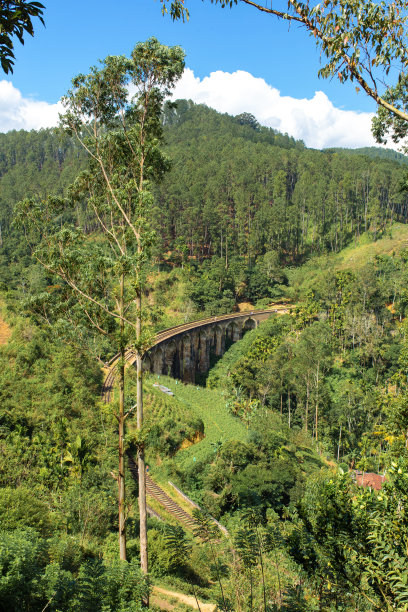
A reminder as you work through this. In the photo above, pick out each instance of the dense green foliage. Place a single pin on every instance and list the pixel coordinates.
(238, 189)
(56, 575)
(57, 497)
(259, 446)
(269, 194)
(324, 367)
(31, 164)
(373, 152)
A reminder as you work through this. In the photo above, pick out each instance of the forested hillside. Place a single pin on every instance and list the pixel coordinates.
(235, 188)
(267, 441)
(374, 152)
(31, 163)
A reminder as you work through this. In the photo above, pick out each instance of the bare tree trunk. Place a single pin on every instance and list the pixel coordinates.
(338, 446)
(121, 475)
(317, 400)
(140, 451)
(289, 415)
(262, 568)
(307, 405)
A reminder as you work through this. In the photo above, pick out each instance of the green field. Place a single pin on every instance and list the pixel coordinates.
(355, 256)
(210, 406)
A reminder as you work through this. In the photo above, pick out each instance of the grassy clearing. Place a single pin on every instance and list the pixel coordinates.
(219, 424)
(353, 257)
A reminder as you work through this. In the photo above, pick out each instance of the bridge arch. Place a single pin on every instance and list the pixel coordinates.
(233, 331)
(184, 350)
(248, 324)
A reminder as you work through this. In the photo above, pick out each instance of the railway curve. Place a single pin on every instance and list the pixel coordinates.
(182, 350)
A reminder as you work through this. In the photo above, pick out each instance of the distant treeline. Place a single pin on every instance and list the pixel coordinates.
(374, 152)
(235, 188)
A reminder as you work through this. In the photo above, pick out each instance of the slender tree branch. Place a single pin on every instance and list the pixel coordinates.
(62, 274)
(312, 27)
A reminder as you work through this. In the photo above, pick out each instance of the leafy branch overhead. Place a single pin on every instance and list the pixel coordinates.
(362, 42)
(16, 20)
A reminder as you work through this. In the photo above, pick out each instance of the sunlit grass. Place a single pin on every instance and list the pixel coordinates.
(210, 405)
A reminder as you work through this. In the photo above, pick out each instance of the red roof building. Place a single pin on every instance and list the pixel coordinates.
(369, 479)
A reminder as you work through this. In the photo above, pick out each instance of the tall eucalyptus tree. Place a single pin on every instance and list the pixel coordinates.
(115, 114)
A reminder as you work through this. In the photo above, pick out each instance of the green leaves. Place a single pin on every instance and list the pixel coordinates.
(31, 579)
(16, 19)
(356, 541)
(168, 63)
(205, 529)
(177, 545)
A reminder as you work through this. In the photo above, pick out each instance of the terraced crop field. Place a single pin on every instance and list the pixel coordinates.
(209, 405)
(158, 407)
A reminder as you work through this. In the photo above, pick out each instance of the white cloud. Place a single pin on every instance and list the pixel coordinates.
(316, 121)
(18, 113)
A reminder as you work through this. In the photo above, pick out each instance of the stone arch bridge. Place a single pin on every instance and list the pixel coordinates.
(184, 350)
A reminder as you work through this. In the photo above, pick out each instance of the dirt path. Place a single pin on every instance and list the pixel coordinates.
(5, 332)
(189, 600)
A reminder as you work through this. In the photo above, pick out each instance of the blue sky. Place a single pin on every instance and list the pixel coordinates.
(215, 40)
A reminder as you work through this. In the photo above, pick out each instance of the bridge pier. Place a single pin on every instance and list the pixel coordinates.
(158, 361)
(204, 353)
(219, 341)
(169, 359)
(187, 369)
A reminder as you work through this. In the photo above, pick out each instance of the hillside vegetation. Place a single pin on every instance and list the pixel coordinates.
(360, 253)
(373, 152)
(268, 441)
(235, 189)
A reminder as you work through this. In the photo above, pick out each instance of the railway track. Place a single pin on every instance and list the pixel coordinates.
(130, 355)
(162, 498)
(152, 489)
